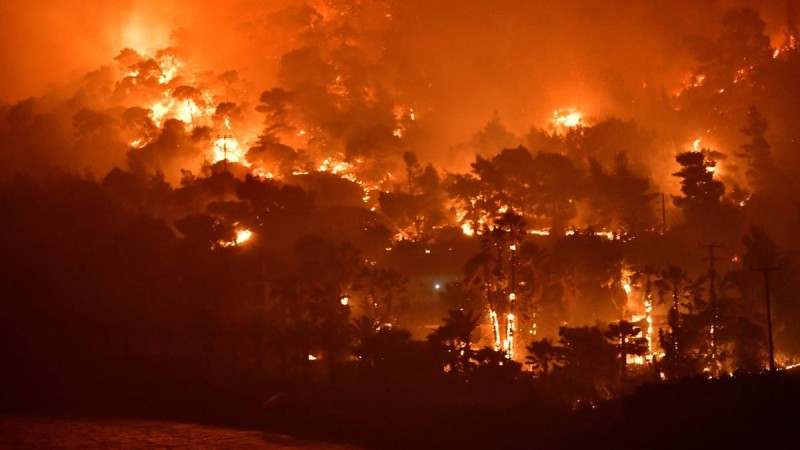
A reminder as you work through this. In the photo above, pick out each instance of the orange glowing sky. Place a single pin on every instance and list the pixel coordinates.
(521, 58)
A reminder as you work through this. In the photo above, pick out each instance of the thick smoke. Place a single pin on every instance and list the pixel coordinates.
(454, 62)
(297, 81)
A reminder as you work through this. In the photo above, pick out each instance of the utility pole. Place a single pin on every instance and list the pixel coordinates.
(648, 312)
(225, 138)
(712, 296)
(766, 271)
(663, 215)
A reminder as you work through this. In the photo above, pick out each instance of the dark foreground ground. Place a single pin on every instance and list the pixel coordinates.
(31, 432)
(739, 412)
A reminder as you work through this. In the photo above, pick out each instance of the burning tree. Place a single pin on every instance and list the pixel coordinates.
(544, 189)
(625, 337)
(506, 272)
(701, 192)
(678, 344)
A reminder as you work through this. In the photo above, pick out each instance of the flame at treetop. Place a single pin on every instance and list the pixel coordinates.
(172, 89)
(566, 118)
(243, 235)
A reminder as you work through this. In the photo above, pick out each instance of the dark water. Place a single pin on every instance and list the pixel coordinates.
(54, 433)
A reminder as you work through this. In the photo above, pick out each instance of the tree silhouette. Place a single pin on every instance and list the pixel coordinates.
(760, 167)
(418, 212)
(621, 200)
(509, 234)
(494, 368)
(363, 330)
(459, 326)
(682, 292)
(623, 335)
(543, 356)
(383, 288)
(701, 192)
(482, 274)
(589, 362)
(454, 339)
(750, 347)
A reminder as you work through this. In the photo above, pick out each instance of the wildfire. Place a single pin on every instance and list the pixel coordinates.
(691, 81)
(495, 329)
(625, 281)
(335, 167)
(349, 171)
(169, 68)
(227, 148)
(472, 228)
(648, 311)
(241, 236)
(196, 107)
(697, 80)
(741, 75)
(610, 235)
(138, 143)
(567, 118)
(467, 229)
(647, 330)
(743, 203)
(626, 286)
(511, 327)
(790, 46)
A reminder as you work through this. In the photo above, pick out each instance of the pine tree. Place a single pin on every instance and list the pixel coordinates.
(701, 192)
(760, 168)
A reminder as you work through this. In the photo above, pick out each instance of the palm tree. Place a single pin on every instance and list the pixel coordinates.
(543, 356)
(482, 274)
(530, 287)
(363, 329)
(288, 322)
(459, 296)
(383, 287)
(510, 233)
(460, 325)
(455, 338)
(623, 336)
(589, 361)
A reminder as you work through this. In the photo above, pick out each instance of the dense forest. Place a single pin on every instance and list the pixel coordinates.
(168, 236)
